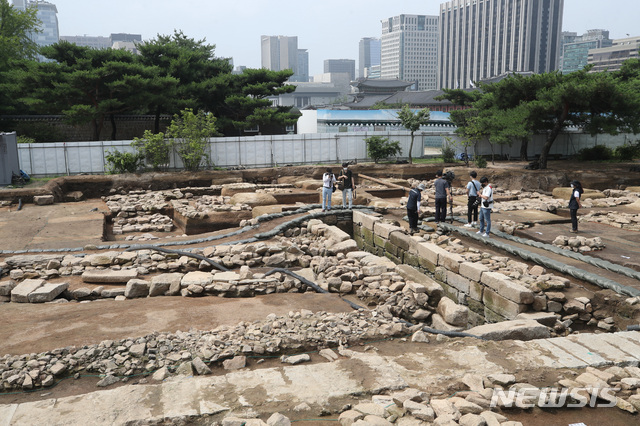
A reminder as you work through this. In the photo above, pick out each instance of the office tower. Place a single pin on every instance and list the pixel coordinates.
(409, 50)
(47, 13)
(369, 49)
(341, 66)
(303, 67)
(575, 54)
(20, 4)
(94, 42)
(481, 39)
(611, 58)
(124, 37)
(280, 53)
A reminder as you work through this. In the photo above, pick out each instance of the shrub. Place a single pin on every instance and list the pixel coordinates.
(628, 152)
(25, 139)
(448, 154)
(122, 162)
(40, 132)
(481, 162)
(154, 148)
(379, 148)
(598, 152)
(190, 134)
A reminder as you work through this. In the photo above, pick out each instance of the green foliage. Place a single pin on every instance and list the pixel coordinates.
(481, 162)
(25, 139)
(189, 134)
(39, 132)
(154, 148)
(628, 152)
(384, 105)
(379, 148)
(122, 162)
(598, 152)
(448, 154)
(16, 29)
(412, 121)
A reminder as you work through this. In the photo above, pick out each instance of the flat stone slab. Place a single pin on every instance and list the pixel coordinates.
(559, 355)
(512, 330)
(618, 341)
(20, 293)
(47, 292)
(595, 344)
(108, 276)
(581, 351)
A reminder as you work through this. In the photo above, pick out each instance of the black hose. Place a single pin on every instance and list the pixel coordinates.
(635, 327)
(181, 253)
(19, 204)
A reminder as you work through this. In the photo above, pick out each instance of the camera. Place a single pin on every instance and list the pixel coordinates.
(449, 176)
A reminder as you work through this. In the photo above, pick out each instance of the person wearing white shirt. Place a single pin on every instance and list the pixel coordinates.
(485, 207)
(328, 180)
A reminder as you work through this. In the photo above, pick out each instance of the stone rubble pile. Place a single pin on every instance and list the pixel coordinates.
(627, 221)
(189, 353)
(144, 222)
(579, 244)
(509, 226)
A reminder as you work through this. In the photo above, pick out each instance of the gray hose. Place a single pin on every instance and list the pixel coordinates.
(181, 253)
(598, 280)
(19, 204)
(319, 289)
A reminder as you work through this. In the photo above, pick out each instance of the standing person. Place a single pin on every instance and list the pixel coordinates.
(486, 206)
(473, 187)
(349, 185)
(574, 204)
(443, 192)
(328, 180)
(413, 207)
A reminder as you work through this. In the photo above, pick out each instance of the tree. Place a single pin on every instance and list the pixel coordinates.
(16, 27)
(412, 121)
(190, 133)
(247, 105)
(379, 148)
(89, 85)
(202, 76)
(154, 148)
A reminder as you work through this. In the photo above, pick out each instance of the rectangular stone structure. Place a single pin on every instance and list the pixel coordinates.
(20, 293)
(580, 351)
(507, 288)
(473, 270)
(430, 252)
(628, 346)
(367, 221)
(107, 276)
(384, 229)
(560, 355)
(597, 345)
(458, 282)
(47, 292)
(500, 305)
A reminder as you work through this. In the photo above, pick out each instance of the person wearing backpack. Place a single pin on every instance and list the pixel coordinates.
(574, 204)
(487, 204)
(473, 187)
(348, 185)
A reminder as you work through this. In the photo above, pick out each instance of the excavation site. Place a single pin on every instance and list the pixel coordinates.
(236, 297)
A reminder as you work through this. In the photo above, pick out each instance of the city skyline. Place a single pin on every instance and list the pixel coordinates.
(329, 30)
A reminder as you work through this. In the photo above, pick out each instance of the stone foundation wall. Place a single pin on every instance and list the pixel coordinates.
(490, 296)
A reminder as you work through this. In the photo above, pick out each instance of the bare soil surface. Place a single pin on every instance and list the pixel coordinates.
(29, 328)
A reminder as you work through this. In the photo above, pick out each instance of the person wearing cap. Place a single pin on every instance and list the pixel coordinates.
(443, 192)
(413, 207)
(346, 176)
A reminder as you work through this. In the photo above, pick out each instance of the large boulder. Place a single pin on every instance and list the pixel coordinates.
(512, 330)
(231, 189)
(253, 199)
(453, 313)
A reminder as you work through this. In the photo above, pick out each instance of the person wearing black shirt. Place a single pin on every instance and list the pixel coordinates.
(443, 192)
(413, 207)
(349, 185)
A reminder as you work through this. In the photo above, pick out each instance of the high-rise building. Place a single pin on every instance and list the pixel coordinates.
(369, 56)
(335, 66)
(409, 50)
(303, 67)
(94, 42)
(481, 39)
(280, 53)
(611, 58)
(47, 13)
(575, 54)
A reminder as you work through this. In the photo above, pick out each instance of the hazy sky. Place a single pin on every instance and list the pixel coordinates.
(329, 29)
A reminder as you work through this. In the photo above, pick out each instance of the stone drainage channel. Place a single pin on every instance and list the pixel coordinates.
(57, 363)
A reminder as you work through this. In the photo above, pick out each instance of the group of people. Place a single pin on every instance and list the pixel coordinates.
(329, 182)
(479, 199)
